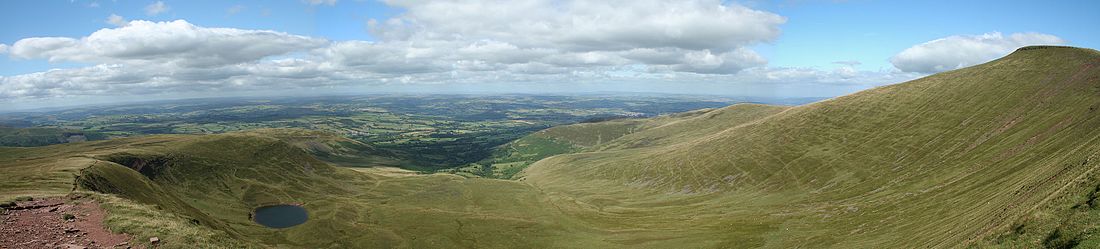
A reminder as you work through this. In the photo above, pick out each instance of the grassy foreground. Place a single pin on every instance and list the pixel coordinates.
(996, 155)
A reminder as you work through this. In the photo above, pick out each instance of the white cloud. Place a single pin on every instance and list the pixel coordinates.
(319, 2)
(123, 79)
(38, 46)
(960, 51)
(3, 48)
(178, 43)
(116, 20)
(534, 41)
(156, 8)
(584, 25)
(701, 36)
(708, 62)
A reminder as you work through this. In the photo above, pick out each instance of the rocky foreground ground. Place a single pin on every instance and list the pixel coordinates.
(58, 222)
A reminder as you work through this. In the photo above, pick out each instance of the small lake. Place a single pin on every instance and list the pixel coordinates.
(280, 216)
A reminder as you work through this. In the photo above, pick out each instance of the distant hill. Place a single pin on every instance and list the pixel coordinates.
(27, 137)
(513, 157)
(331, 147)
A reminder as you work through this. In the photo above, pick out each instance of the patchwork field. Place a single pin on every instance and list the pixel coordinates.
(420, 132)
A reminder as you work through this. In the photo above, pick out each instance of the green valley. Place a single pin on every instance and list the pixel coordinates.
(422, 132)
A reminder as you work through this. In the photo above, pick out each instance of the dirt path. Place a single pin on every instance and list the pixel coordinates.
(42, 224)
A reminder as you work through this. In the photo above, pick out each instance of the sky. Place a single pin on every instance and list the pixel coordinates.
(81, 52)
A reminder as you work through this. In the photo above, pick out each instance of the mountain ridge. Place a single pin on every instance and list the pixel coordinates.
(804, 149)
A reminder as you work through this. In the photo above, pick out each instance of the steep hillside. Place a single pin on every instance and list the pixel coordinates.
(954, 158)
(674, 128)
(511, 158)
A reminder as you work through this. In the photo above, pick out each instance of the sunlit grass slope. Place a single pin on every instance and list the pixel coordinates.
(331, 147)
(513, 157)
(957, 158)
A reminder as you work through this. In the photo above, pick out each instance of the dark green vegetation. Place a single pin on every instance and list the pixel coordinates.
(421, 132)
(1002, 154)
(26, 137)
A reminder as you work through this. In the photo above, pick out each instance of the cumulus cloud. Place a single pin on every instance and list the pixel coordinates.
(960, 51)
(116, 20)
(585, 25)
(702, 36)
(156, 8)
(550, 41)
(177, 43)
(3, 48)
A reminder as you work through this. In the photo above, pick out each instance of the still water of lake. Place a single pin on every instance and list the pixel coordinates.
(280, 216)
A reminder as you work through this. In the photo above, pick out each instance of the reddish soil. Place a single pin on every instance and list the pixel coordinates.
(40, 224)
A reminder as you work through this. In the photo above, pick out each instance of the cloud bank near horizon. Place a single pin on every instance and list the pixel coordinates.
(959, 51)
(454, 42)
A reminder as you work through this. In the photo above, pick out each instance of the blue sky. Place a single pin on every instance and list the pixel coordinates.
(742, 48)
(820, 32)
(79, 18)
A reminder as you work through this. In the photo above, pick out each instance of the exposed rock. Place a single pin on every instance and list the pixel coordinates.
(72, 246)
(36, 225)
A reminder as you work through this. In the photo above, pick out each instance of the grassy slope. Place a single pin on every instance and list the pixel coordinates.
(509, 159)
(513, 157)
(330, 147)
(198, 191)
(954, 158)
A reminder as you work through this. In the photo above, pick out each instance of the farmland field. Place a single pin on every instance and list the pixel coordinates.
(420, 132)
